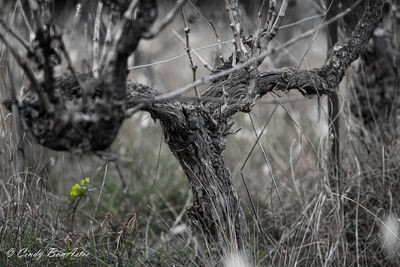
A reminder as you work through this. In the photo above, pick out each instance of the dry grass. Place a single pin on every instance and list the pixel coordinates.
(322, 228)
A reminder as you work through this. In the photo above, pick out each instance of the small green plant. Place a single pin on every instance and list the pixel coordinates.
(77, 193)
(78, 190)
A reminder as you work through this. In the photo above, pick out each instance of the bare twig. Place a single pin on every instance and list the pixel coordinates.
(274, 50)
(96, 39)
(278, 20)
(126, 17)
(289, 25)
(12, 19)
(205, 20)
(316, 29)
(77, 16)
(33, 6)
(108, 40)
(27, 23)
(254, 72)
(16, 36)
(219, 56)
(167, 20)
(271, 15)
(126, 39)
(259, 15)
(178, 56)
(69, 62)
(210, 24)
(209, 78)
(200, 58)
(329, 65)
(232, 7)
(256, 40)
(274, 25)
(29, 73)
(192, 65)
(124, 42)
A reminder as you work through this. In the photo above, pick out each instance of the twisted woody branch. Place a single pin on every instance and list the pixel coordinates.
(88, 113)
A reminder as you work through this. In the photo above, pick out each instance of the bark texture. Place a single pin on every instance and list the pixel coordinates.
(376, 82)
(333, 104)
(374, 102)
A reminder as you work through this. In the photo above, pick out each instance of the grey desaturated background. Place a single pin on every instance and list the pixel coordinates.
(294, 141)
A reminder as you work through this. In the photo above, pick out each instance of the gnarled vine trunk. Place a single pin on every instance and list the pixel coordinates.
(198, 143)
(377, 86)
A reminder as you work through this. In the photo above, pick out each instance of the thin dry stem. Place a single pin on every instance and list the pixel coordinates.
(69, 62)
(199, 57)
(96, 40)
(271, 15)
(232, 8)
(16, 36)
(274, 25)
(188, 49)
(33, 6)
(26, 21)
(210, 24)
(29, 73)
(112, 54)
(167, 20)
(108, 40)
